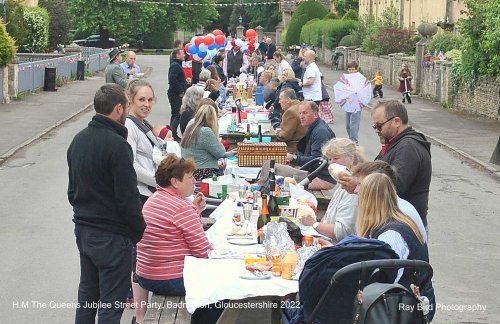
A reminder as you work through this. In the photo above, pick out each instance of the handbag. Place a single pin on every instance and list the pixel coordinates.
(326, 112)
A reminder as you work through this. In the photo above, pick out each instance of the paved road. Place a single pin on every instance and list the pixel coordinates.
(40, 260)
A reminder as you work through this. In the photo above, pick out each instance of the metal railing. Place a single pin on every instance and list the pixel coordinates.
(31, 74)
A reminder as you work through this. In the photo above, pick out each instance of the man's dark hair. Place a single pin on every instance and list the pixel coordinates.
(393, 108)
(177, 42)
(175, 53)
(289, 94)
(218, 59)
(367, 168)
(314, 107)
(107, 97)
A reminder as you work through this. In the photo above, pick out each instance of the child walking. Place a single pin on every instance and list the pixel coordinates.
(378, 81)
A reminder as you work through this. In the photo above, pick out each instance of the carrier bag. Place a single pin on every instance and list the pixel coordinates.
(388, 304)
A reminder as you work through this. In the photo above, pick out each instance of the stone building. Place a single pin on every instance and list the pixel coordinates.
(414, 12)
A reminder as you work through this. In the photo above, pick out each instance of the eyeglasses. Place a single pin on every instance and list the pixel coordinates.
(379, 126)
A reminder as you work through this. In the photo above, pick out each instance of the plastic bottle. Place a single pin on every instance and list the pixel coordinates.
(288, 265)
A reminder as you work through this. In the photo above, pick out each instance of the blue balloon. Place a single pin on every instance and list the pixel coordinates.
(202, 54)
(213, 46)
(193, 49)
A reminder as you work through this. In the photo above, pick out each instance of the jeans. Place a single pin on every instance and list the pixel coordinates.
(105, 274)
(172, 287)
(352, 121)
(175, 106)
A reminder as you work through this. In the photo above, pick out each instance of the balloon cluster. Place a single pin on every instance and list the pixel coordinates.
(204, 48)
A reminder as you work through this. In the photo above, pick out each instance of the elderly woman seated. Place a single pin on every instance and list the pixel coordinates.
(340, 217)
(173, 229)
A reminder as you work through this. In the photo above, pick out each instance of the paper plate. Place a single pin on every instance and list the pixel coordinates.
(251, 276)
(242, 242)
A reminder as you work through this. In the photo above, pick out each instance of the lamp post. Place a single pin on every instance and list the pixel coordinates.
(240, 19)
(239, 29)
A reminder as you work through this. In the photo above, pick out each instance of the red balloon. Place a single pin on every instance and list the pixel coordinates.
(198, 40)
(251, 33)
(233, 43)
(220, 39)
(208, 40)
(192, 58)
(251, 48)
(186, 48)
(252, 41)
(218, 32)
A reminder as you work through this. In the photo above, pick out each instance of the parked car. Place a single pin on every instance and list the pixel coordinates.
(94, 41)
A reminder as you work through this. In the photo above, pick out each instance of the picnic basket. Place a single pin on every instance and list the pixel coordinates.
(254, 154)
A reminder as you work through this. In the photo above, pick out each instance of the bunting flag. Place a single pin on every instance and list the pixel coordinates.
(208, 4)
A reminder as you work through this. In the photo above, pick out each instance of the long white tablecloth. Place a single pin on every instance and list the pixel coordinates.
(210, 280)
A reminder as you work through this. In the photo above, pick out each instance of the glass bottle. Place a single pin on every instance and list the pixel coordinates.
(264, 213)
(247, 134)
(272, 206)
(259, 134)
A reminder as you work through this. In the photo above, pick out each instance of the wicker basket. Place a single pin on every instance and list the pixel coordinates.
(254, 154)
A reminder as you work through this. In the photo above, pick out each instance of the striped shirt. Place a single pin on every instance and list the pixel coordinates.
(173, 231)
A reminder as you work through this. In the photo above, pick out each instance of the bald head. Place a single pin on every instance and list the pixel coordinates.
(130, 59)
(309, 56)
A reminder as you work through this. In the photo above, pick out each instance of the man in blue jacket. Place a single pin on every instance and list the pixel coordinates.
(103, 191)
(309, 147)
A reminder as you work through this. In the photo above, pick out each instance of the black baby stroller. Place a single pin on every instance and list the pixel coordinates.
(303, 176)
(355, 265)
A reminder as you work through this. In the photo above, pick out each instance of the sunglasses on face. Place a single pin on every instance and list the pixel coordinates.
(378, 127)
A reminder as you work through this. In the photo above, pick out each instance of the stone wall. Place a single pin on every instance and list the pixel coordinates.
(485, 101)
(435, 83)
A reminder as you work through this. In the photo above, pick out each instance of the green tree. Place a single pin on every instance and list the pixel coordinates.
(60, 21)
(130, 21)
(481, 50)
(7, 45)
(343, 6)
(37, 22)
(267, 16)
(445, 42)
(306, 11)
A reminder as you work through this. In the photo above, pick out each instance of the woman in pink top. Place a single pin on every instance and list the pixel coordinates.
(173, 230)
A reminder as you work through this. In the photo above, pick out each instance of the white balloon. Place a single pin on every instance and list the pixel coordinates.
(203, 47)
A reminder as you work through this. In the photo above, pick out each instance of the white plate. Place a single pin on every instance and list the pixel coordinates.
(250, 276)
(242, 241)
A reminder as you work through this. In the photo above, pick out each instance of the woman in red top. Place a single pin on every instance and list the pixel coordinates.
(173, 230)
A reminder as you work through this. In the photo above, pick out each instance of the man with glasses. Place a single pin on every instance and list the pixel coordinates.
(407, 150)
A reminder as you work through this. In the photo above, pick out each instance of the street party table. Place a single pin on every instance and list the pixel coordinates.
(208, 281)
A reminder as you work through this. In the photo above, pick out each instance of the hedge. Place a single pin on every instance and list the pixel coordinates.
(306, 11)
(7, 46)
(327, 32)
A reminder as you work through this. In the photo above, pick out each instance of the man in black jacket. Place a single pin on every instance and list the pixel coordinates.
(407, 151)
(176, 89)
(103, 191)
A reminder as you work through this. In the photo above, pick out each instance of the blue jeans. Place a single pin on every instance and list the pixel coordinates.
(352, 121)
(172, 287)
(105, 274)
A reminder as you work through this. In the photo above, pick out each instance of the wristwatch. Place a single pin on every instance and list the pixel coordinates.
(315, 225)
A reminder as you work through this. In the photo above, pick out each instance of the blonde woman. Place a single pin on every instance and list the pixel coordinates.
(289, 81)
(201, 143)
(282, 63)
(379, 217)
(340, 217)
